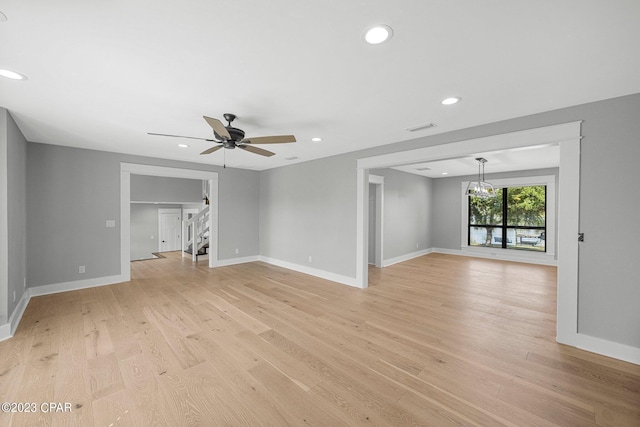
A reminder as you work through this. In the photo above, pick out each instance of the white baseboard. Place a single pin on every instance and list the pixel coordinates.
(8, 329)
(605, 348)
(5, 331)
(514, 256)
(234, 261)
(406, 257)
(345, 280)
(75, 285)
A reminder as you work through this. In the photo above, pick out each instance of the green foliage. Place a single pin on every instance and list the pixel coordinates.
(525, 207)
(486, 211)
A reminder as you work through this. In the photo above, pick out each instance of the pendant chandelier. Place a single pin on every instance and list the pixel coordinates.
(481, 188)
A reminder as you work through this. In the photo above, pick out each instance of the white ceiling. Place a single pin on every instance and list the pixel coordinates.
(103, 74)
(538, 157)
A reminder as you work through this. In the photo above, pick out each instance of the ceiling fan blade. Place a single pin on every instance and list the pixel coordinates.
(218, 127)
(212, 149)
(180, 136)
(276, 139)
(256, 150)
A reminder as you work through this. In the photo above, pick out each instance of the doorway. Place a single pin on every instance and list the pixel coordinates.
(126, 170)
(567, 136)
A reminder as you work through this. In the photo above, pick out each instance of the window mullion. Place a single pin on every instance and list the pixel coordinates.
(504, 218)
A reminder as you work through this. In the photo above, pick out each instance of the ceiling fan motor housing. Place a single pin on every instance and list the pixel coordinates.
(237, 135)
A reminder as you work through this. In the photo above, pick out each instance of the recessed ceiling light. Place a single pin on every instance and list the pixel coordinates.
(451, 101)
(316, 139)
(445, 173)
(183, 146)
(378, 34)
(12, 75)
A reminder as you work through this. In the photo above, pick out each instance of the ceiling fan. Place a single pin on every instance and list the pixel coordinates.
(230, 137)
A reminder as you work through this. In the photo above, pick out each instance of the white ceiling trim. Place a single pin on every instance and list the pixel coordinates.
(537, 136)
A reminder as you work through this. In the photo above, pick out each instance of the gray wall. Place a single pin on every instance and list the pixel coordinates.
(308, 209)
(72, 192)
(239, 194)
(407, 212)
(609, 288)
(163, 189)
(14, 148)
(447, 205)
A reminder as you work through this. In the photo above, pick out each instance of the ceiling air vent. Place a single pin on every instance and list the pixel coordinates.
(423, 169)
(421, 127)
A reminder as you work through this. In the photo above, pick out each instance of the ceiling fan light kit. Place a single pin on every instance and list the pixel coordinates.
(480, 188)
(230, 137)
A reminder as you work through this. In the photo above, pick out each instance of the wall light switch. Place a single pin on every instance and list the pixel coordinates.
(81, 269)
(111, 223)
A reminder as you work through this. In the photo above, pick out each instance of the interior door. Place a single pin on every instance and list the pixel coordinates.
(169, 229)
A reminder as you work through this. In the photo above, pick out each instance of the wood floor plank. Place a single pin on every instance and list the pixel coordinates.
(103, 376)
(142, 386)
(438, 340)
(298, 408)
(70, 382)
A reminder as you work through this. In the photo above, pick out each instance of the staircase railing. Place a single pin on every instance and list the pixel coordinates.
(197, 227)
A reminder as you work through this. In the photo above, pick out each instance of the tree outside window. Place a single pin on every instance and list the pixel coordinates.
(514, 219)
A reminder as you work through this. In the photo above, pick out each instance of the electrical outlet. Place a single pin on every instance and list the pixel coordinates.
(81, 269)
(110, 223)
(14, 296)
(237, 251)
(24, 284)
(417, 245)
(310, 259)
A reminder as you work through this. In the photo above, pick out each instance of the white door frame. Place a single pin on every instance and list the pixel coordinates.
(378, 181)
(128, 169)
(173, 211)
(568, 136)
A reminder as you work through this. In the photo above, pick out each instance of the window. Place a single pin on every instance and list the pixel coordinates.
(514, 219)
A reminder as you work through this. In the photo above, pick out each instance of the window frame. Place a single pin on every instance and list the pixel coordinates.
(504, 226)
(538, 257)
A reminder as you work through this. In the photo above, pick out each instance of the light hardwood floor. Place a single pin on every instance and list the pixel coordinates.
(439, 340)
